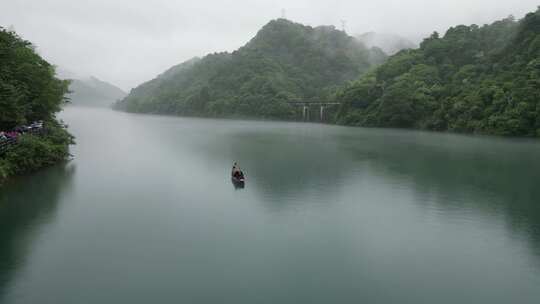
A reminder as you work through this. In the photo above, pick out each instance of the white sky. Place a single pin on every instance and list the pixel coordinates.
(127, 42)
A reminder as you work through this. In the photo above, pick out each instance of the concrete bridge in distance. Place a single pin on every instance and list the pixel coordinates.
(306, 107)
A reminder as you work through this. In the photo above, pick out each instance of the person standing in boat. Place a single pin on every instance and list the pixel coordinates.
(236, 172)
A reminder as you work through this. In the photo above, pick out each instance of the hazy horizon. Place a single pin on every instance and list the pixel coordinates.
(129, 42)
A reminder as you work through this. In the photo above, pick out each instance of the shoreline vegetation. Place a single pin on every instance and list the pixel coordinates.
(30, 91)
(473, 79)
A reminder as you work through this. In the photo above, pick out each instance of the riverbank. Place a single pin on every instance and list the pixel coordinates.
(32, 152)
(333, 121)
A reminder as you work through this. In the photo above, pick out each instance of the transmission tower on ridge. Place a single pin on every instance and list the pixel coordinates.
(343, 25)
(283, 14)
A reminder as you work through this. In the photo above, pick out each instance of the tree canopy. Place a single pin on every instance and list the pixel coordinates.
(29, 90)
(480, 79)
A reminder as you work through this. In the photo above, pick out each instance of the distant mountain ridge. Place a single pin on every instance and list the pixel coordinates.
(285, 61)
(92, 92)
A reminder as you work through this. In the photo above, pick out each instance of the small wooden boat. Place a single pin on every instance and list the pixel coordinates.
(238, 179)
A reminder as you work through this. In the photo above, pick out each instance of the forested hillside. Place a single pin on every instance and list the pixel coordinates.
(473, 79)
(285, 62)
(29, 92)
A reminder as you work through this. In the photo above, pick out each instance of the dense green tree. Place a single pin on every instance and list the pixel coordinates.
(29, 91)
(474, 79)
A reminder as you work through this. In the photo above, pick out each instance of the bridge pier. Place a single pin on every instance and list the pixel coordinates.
(306, 113)
(306, 107)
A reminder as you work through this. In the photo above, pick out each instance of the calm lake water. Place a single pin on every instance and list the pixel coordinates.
(146, 213)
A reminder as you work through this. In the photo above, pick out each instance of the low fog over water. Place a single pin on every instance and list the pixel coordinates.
(107, 38)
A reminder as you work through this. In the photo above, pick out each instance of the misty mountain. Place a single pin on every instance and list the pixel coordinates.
(179, 68)
(389, 43)
(480, 79)
(64, 73)
(93, 92)
(284, 62)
